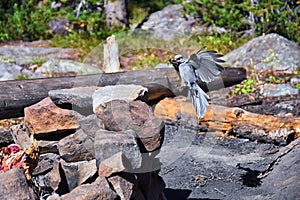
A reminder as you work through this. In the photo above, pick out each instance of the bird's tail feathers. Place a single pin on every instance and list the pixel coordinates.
(199, 99)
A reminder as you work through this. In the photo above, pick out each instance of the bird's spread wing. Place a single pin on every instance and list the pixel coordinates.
(206, 64)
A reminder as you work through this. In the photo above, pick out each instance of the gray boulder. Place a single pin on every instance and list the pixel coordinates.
(267, 52)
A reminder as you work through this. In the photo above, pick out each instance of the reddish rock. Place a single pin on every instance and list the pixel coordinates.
(13, 185)
(113, 164)
(123, 187)
(90, 192)
(45, 117)
(120, 115)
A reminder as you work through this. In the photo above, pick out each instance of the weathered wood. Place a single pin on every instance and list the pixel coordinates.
(16, 95)
(235, 120)
(111, 61)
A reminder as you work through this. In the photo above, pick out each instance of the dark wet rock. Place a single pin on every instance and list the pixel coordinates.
(271, 51)
(45, 118)
(46, 146)
(170, 22)
(80, 98)
(151, 185)
(24, 55)
(58, 67)
(76, 147)
(10, 71)
(275, 90)
(78, 173)
(207, 167)
(5, 137)
(108, 143)
(119, 115)
(14, 185)
(282, 182)
(90, 191)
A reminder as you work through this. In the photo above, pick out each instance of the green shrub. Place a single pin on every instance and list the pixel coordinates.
(269, 16)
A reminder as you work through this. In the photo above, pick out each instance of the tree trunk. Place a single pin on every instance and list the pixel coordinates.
(16, 95)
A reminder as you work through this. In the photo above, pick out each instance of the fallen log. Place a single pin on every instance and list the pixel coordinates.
(16, 95)
(236, 121)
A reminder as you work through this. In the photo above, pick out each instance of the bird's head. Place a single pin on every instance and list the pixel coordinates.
(176, 61)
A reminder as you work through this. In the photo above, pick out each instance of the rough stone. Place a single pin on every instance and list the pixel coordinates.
(24, 55)
(170, 22)
(5, 137)
(271, 51)
(283, 181)
(123, 187)
(76, 147)
(91, 192)
(119, 115)
(47, 172)
(91, 124)
(46, 146)
(14, 185)
(10, 71)
(127, 93)
(21, 137)
(108, 143)
(58, 67)
(45, 163)
(78, 172)
(79, 97)
(45, 117)
(116, 163)
(275, 90)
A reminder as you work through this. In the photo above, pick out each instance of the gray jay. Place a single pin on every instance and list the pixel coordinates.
(202, 65)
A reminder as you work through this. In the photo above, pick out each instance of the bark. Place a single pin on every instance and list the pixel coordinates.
(16, 95)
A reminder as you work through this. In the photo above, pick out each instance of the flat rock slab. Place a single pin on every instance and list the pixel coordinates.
(275, 90)
(23, 55)
(118, 92)
(60, 67)
(45, 118)
(78, 96)
(90, 191)
(11, 71)
(14, 185)
(209, 167)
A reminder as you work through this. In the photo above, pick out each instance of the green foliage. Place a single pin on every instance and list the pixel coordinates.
(22, 21)
(274, 79)
(298, 86)
(247, 86)
(21, 77)
(269, 16)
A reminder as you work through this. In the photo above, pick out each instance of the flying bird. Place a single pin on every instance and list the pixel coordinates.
(204, 66)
